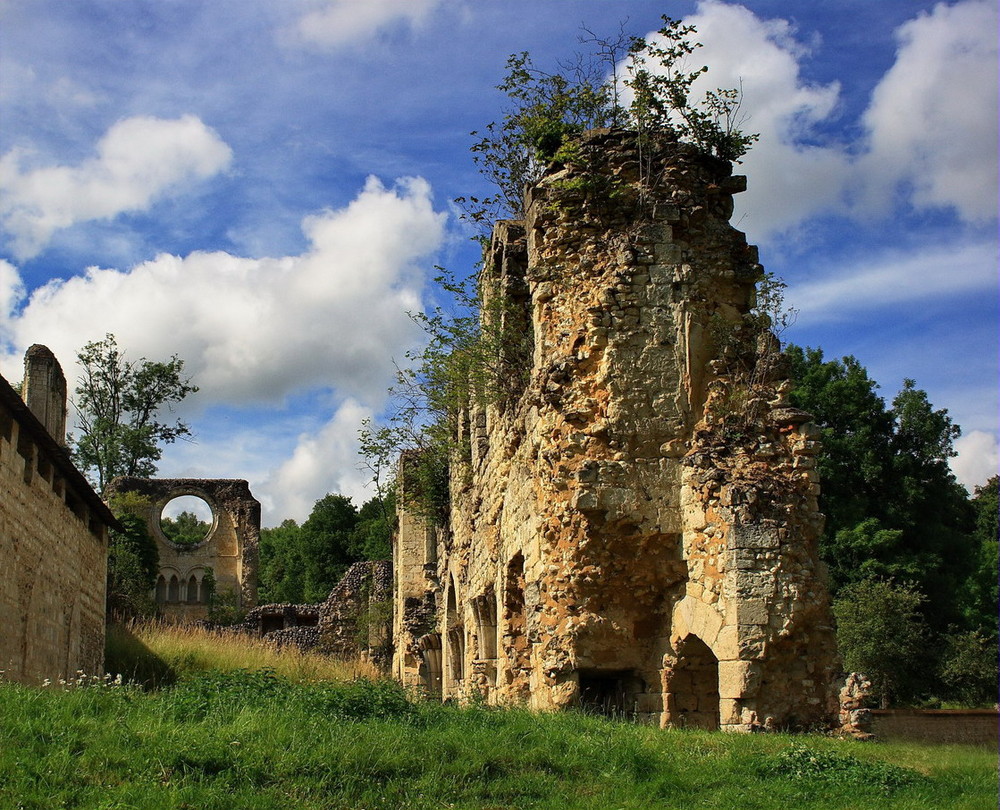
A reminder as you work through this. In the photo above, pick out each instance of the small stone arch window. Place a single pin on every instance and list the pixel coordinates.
(192, 591)
(174, 589)
(161, 589)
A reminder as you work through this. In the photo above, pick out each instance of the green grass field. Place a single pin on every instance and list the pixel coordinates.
(245, 739)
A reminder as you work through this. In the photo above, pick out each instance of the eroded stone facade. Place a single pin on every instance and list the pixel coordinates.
(53, 536)
(229, 550)
(626, 533)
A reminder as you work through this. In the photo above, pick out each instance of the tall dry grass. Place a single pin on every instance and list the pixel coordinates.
(156, 652)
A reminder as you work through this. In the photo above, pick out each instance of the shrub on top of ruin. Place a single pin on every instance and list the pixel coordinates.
(477, 349)
(750, 362)
(548, 110)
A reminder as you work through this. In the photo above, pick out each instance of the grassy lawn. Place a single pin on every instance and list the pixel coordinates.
(260, 740)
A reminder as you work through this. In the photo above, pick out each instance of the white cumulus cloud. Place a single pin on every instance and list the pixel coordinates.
(256, 330)
(788, 179)
(345, 22)
(933, 117)
(261, 332)
(929, 132)
(978, 458)
(322, 462)
(137, 161)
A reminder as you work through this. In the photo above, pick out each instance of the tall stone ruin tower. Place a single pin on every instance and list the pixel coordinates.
(636, 530)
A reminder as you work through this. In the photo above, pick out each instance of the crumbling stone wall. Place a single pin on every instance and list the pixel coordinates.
(229, 550)
(53, 536)
(614, 540)
(355, 619)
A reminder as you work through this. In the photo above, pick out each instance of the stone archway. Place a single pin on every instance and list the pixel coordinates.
(228, 549)
(692, 686)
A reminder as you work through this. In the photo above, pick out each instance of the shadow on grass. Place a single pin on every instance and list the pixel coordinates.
(125, 654)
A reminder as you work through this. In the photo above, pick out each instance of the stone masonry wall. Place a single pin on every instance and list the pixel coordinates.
(610, 545)
(53, 553)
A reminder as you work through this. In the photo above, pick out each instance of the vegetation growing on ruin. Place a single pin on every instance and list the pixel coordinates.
(476, 355)
(262, 740)
(644, 86)
(133, 560)
(477, 345)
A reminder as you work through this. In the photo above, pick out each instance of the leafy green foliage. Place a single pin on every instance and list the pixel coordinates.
(968, 667)
(302, 564)
(133, 561)
(882, 632)
(325, 539)
(118, 405)
(186, 530)
(548, 109)
(223, 605)
(982, 591)
(662, 95)
(893, 507)
(896, 514)
(802, 762)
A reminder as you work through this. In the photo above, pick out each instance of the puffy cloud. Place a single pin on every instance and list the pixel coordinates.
(930, 128)
(256, 330)
(932, 120)
(978, 458)
(138, 161)
(789, 179)
(11, 292)
(345, 22)
(322, 462)
(896, 279)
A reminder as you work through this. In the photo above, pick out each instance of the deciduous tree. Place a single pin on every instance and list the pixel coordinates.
(119, 404)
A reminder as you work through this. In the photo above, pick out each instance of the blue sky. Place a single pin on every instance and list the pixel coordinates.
(264, 189)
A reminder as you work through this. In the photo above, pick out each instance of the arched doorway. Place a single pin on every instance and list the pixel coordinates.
(693, 686)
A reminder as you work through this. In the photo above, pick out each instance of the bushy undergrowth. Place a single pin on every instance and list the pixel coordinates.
(262, 740)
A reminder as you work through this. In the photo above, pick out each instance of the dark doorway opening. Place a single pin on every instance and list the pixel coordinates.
(610, 693)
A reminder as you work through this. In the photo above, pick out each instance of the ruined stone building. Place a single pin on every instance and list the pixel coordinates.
(53, 536)
(228, 552)
(636, 530)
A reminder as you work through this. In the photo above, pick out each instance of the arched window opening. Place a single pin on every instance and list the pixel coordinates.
(161, 590)
(485, 610)
(456, 637)
(430, 664)
(192, 591)
(174, 590)
(515, 638)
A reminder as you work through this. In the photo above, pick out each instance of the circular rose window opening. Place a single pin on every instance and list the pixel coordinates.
(186, 520)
